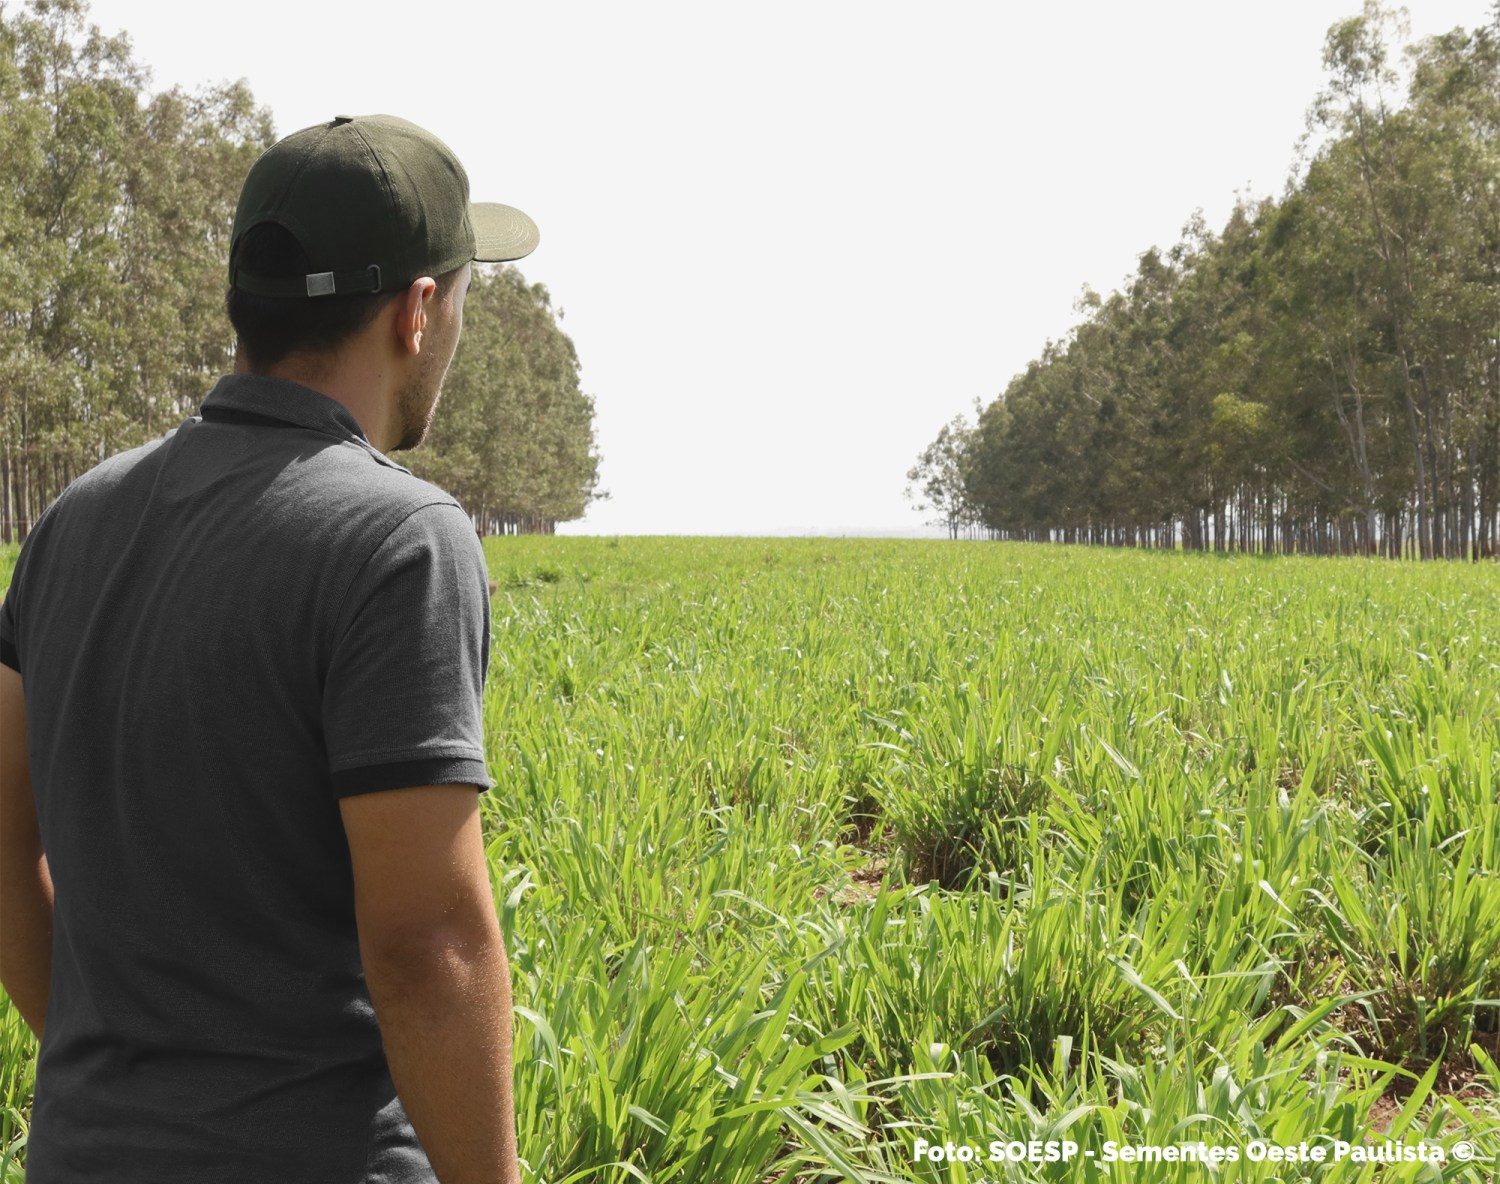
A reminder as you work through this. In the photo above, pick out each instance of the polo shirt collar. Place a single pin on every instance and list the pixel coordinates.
(292, 403)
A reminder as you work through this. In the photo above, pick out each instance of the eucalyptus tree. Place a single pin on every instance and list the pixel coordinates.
(1321, 375)
(514, 441)
(115, 214)
(113, 234)
(939, 481)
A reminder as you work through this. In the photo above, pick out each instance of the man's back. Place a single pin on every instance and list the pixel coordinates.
(220, 633)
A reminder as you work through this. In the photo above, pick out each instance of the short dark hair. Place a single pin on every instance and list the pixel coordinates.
(269, 328)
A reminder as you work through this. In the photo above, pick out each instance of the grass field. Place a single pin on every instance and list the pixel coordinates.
(805, 849)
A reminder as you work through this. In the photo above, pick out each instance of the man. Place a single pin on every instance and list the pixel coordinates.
(238, 807)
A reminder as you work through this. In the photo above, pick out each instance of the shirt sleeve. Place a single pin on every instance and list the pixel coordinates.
(10, 608)
(8, 652)
(404, 691)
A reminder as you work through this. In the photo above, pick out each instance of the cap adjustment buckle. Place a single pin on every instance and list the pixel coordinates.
(317, 283)
(341, 283)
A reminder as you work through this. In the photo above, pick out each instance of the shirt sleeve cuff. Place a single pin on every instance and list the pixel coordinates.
(9, 655)
(432, 770)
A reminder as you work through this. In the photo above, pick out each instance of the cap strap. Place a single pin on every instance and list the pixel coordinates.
(317, 283)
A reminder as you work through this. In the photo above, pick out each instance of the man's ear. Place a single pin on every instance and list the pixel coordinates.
(411, 315)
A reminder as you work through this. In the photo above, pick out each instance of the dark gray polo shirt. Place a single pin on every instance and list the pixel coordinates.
(220, 633)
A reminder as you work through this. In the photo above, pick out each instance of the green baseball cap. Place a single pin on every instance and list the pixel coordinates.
(376, 202)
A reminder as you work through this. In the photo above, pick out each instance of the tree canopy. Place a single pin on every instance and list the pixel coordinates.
(513, 435)
(114, 242)
(1322, 374)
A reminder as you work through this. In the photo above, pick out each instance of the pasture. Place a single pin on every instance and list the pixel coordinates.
(807, 849)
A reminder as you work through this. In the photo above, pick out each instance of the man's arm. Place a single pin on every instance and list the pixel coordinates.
(436, 969)
(25, 883)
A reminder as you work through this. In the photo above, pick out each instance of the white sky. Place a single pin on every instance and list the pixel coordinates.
(791, 240)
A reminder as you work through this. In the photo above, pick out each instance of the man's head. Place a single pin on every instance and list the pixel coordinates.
(349, 262)
(413, 333)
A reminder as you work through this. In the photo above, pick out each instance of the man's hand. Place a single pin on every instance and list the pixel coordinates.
(25, 883)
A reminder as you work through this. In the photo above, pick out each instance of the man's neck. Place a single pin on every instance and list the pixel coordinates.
(357, 384)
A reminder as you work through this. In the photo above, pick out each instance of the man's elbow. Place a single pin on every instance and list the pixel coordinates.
(452, 951)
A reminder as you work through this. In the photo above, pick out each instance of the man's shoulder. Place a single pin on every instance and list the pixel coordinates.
(346, 481)
(118, 465)
(343, 469)
(386, 507)
(357, 492)
(393, 495)
(103, 479)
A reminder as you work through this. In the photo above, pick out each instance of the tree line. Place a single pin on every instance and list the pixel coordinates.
(114, 246)
(1322, 375)
(513, 436)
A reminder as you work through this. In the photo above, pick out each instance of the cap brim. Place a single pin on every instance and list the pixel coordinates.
(501, 232)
